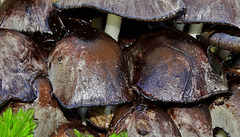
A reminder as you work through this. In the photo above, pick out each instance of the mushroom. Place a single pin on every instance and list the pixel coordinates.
(215, 12)
(225, 112)
(67, 130)
(26, 15)
(87, 69)
(35, 18)
(141, 10)
(48, 115)
(143, 119)
(170, 66)
(21, 64)
(192, 121)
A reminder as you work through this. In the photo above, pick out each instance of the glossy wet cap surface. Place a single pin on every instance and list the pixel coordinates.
(169, 66)
(87, 68)
(21, 63)
(151, 10)
(26, 15)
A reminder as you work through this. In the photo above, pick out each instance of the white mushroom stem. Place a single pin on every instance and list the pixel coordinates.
(97, 23)
(224, 118)
(82, 113)
(113, 26)
(195, 29)
(180, 27)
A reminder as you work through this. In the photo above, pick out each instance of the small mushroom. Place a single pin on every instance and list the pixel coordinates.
(140, 119)
(170, 66)
(86, 69)
(26, 15)
(211, 12)
(35, 18)
(67, 130)
(21, 63)
(192, 121)
(226, 114)
(216, 12)
(138, 10)
(48, 115)
(152, 10)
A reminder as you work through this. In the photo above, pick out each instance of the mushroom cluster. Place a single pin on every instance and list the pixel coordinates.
(100, 68)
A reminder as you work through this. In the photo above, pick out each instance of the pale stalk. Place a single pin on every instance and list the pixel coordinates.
(113, 26)
(195, 29)
(180, 27)
(82, 113)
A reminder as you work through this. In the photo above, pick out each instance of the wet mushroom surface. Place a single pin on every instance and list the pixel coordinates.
(170, 66)
(219, 12)
(87, 68)
(137, 10)
(21, 64)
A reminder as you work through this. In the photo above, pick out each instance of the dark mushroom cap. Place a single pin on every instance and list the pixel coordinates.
(151, 10)
(143, 120)
(26, 15)
(171, 66)
(87, 69)
(21, 63)
(192, 121)
(224, 12)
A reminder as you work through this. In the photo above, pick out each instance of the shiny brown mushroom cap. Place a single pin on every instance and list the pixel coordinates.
(170, 66)
(87, 69)
(26, 15)
(151, 10)
(224, 12)
(21, 63)
(143, 120)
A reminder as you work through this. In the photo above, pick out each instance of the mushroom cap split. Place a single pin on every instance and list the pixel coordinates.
(87, 68)
(21, 63)
(170, 66)
(151, 10)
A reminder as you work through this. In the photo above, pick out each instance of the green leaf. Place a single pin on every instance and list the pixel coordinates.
(20, 124)
(121, 134)
(79, 134)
